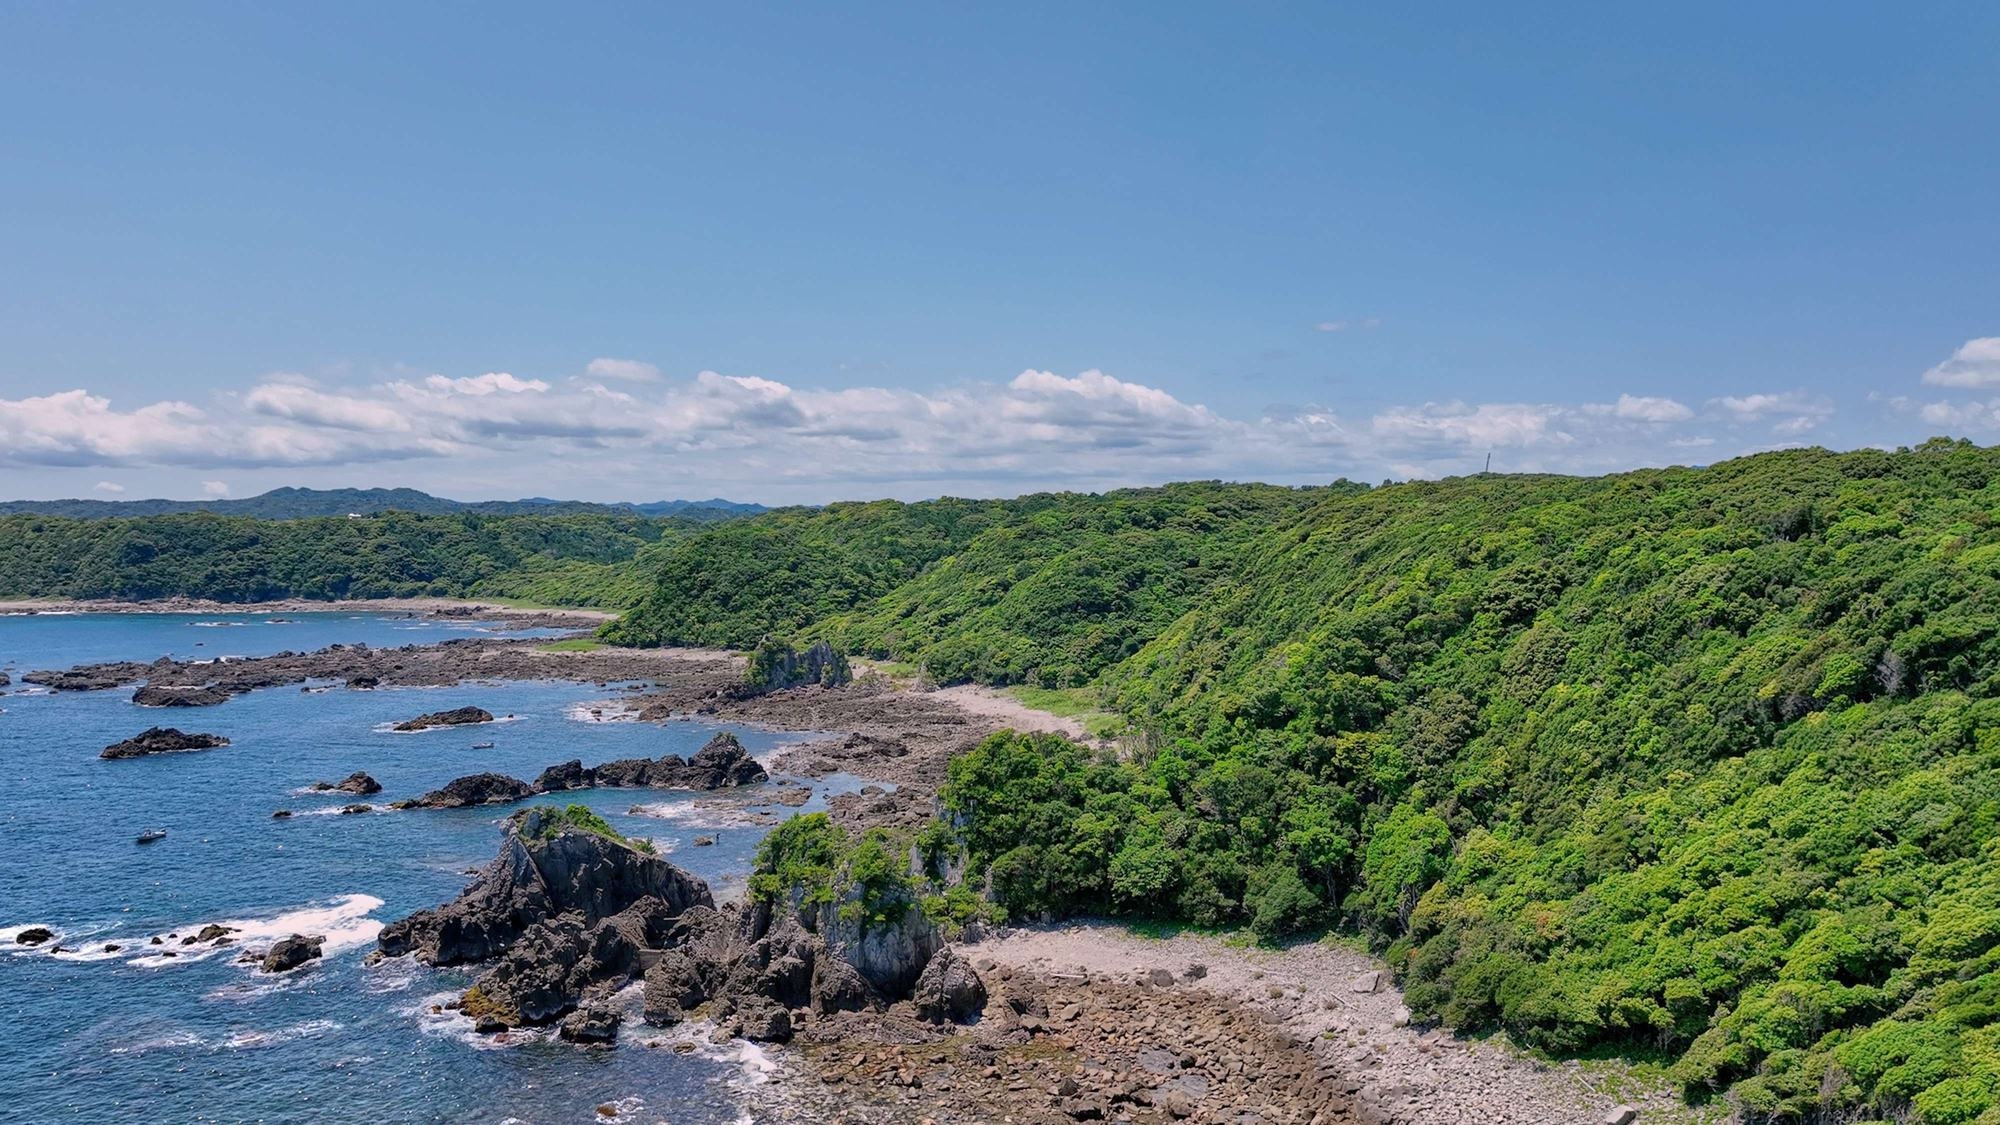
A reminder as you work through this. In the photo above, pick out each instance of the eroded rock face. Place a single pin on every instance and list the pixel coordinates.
(291, 952)
(151, 696)
(533, 880)
(948, 990)
(457, 717)
(162, 740)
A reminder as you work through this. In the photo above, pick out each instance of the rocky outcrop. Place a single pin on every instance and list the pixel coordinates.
(760, 971)
(92, 678)
(476, 789)
(775, 667)
(949, 990)
(535, 879)
(291, 952)
(363, 683)
(35, 935)
(456, 717)
(162, 740)
(565, 913)
(722, 763)
(152, 696)
(358, 784)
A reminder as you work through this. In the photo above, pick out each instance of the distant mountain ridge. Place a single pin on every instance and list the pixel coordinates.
(306, 503)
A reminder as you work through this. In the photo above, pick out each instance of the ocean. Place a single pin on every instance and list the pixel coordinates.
(132, 1035)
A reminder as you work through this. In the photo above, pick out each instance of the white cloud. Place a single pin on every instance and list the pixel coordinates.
(1790, 413)
(1976, 364)
(215, 488)
(1345, 325)
(108, 486)
(1641, 408)
(630, 370)
(1038, 428)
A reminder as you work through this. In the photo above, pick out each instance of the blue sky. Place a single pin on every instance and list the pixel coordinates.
(862, 250)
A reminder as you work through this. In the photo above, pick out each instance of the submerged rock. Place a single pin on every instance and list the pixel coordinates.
(153, 696)
(293, 951)
(457, 717)
(162, 740)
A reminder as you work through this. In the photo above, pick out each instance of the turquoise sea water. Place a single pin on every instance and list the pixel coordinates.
(134, 1036)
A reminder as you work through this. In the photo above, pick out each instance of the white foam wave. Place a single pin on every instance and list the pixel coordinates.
(603, 711)
(243, 1040)
(435, 1019)
(218, 624)
(343, 921)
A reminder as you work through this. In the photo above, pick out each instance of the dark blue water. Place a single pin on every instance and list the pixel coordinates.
(134, 1036)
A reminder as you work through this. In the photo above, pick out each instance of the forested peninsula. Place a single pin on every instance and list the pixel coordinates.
(1695, 764)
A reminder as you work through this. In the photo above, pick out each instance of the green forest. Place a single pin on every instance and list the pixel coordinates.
(555, 560)
(1700, 765)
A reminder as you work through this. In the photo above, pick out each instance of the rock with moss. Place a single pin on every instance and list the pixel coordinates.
(565, 912)
(774, 666)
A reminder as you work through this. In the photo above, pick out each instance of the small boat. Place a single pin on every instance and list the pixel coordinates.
(152, 834)
(482, 746)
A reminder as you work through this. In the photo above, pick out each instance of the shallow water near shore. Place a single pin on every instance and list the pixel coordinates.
(133, 1035)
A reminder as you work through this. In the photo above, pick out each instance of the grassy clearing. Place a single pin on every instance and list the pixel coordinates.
(573, 644)
(1080, 704)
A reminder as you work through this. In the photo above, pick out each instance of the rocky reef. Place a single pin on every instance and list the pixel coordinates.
(456, 717)
(357, 783)
(162, 740)
(720, 764)
(570, 912)
(155, 696)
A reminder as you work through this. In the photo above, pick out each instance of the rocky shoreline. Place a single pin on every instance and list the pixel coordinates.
(1079, 1024)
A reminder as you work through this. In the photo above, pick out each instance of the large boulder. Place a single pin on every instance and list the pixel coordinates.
(162, 740)
(569, 775)
(543, 870)
(476, 789)
(722, 763)
(291, 952)
(358, 784)
(157, 696)
(457, 717)
(949, 990)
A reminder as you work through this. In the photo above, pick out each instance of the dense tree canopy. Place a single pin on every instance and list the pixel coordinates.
(1703, 761)
(574, 560)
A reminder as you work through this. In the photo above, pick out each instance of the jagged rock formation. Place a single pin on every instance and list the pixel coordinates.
(543, 870)
(721, 764)
(456, 717)
(775, 667)
(162, 740)
(569, 913)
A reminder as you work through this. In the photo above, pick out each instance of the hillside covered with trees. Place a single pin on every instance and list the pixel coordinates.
(1696, 763)
(560, 560)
